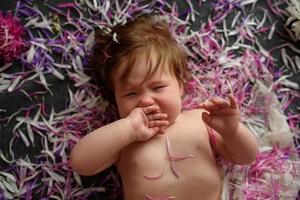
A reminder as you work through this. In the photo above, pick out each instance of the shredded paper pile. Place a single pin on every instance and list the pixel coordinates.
(44, 54)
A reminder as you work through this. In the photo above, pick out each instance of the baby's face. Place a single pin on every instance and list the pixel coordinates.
(161, 89)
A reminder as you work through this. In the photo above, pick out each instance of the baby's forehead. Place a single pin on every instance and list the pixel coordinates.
(140, 72)
(141, 64)
(155, 79)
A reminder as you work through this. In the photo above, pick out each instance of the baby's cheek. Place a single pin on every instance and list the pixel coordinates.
(124, 108)
(173, 112)
(173, 117)
(123, 111)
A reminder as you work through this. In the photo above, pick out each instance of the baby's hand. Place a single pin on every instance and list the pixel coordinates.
(222, 115)
(147, 122)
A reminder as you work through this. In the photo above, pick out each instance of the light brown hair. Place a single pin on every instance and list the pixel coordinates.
(126, 43)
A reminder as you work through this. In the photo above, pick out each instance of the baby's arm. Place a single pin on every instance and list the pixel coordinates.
(234, 141)
(99, 149)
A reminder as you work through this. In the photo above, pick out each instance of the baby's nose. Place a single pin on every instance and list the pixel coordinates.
(145, 100)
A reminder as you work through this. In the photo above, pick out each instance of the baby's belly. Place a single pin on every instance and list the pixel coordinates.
(204, 185)
(151, 174)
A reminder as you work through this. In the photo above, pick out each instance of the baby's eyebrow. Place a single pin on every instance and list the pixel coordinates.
(128, 86)
(157, 82)
(131, 85)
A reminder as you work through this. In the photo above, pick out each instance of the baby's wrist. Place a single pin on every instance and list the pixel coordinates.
(131, 129)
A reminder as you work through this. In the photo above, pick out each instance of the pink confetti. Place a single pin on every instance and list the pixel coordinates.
(220, 52)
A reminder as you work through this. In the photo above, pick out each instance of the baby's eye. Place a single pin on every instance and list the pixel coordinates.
(130, 94)
(159, 87)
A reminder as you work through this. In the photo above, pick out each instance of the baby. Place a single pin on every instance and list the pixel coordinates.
(160, 151)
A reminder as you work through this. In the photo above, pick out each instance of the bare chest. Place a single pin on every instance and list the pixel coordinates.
(179, 159)
(179, 145)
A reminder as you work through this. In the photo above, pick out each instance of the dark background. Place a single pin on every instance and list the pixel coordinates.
(13, 101)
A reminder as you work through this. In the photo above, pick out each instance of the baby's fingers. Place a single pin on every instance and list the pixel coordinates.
(233, 102)
(157, 116)
(220, 102)
(206, 105)
(214, 104)
(158, 123)
(150, 109)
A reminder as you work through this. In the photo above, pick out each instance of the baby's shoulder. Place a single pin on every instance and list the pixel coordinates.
(192, 115)
(193, 112)
(192, 120)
